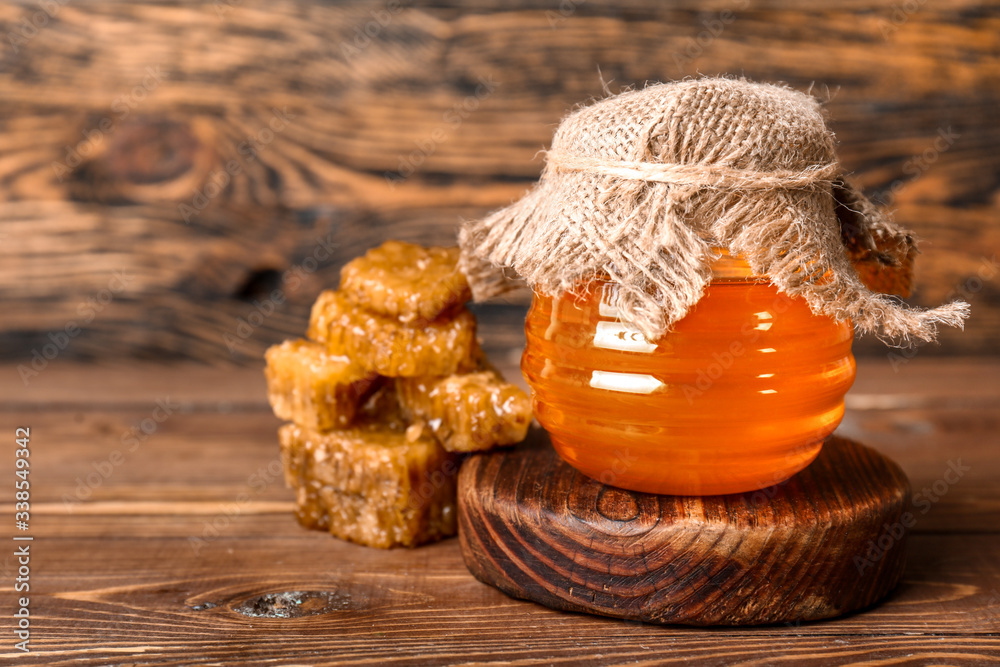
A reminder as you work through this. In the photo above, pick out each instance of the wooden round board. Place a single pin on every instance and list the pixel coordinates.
(828, 541)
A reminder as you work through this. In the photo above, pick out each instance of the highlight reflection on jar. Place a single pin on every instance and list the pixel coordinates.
(737, 397)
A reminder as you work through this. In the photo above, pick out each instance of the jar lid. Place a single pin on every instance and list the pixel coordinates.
(642, 185)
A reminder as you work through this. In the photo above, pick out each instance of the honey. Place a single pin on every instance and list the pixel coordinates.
(738, 396)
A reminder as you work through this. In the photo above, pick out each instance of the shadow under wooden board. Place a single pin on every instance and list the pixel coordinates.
(184, 178)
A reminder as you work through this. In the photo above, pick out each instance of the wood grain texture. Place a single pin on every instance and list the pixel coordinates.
(539, 530)
(282, 123)
(119, 580)
(422, 608)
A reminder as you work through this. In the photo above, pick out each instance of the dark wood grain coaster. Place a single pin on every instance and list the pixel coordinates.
(828, 541)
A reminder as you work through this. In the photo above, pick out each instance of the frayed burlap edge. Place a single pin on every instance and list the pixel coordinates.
(651, 225)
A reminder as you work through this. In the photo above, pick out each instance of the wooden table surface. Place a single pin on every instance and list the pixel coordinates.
(162, 548)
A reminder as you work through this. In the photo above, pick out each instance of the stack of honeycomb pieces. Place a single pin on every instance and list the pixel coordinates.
(388, 393)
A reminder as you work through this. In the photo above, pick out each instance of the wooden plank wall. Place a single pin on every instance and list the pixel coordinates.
(170, 171)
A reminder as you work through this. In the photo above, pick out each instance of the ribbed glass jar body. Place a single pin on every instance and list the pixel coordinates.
(738, 396)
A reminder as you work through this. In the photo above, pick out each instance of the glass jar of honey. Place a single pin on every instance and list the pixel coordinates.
(738, 396)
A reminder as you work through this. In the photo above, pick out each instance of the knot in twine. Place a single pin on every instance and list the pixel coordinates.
(643, 185)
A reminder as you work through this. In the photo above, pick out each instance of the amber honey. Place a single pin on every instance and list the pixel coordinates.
(738, 396)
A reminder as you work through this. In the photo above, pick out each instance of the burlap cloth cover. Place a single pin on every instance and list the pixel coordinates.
(642, 185)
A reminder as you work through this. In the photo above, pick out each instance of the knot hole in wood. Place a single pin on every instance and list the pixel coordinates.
(617, 504)
(144, 159)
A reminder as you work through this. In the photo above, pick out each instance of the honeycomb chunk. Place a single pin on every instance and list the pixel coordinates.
(406, 281)
(389, 347)
(372, 484)
(467, 413)
(327, 308)
(309, 386)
